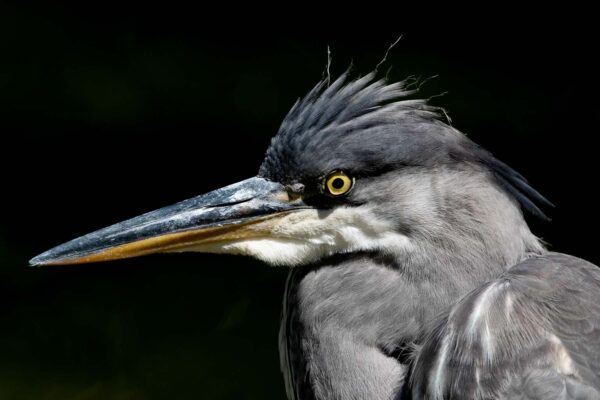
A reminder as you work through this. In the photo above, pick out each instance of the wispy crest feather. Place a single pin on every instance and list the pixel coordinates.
(369, 125)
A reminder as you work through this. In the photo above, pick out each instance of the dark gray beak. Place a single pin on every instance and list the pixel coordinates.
(235, 212)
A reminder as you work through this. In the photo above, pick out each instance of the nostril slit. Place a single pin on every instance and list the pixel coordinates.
(294, 191)
(296, 188)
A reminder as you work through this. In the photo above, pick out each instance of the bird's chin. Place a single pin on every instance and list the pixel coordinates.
(306, 236)
(272, 251)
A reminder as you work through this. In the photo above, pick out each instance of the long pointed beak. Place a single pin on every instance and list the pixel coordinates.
(231, 213)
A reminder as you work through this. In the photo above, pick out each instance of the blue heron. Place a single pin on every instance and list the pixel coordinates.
(413, 273)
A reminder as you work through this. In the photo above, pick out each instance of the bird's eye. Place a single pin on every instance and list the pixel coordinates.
(338, 183)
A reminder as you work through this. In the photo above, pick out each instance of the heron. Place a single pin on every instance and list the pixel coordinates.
(412, 270)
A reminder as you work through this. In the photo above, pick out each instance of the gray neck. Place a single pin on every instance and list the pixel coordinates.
(351, 314)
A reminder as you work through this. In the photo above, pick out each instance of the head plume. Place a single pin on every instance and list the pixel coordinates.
(367, 126)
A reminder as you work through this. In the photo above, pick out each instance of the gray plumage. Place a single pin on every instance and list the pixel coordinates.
(413, 272)
(351, 322)
(367, 127)
(532, 333)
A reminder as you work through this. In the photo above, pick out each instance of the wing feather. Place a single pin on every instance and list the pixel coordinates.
(533, 333)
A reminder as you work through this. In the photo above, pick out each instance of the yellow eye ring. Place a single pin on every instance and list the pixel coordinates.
(338, 183)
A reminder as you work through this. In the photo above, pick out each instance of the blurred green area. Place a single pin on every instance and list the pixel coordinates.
(110, 111)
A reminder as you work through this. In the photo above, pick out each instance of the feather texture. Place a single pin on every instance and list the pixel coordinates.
(532, 333)
(367, 126)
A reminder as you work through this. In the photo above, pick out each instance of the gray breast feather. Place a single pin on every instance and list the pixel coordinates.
(533, 333)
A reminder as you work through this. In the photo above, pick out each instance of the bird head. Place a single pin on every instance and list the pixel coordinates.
(356, 166)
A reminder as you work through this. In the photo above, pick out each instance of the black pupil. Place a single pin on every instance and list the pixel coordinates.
(337, 183)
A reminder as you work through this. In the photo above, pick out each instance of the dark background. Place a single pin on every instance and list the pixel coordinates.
(111, 110)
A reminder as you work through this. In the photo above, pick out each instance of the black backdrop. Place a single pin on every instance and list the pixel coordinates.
(111, 110)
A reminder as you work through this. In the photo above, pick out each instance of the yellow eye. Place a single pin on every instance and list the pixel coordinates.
(338, 183)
